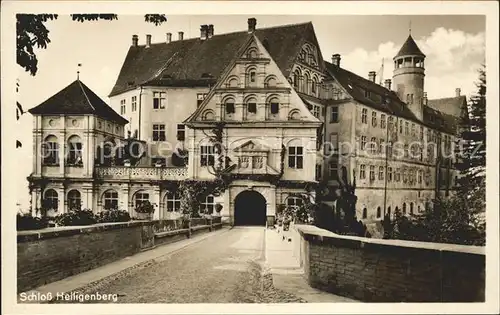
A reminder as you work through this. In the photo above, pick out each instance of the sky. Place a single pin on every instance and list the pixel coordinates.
(454, 46)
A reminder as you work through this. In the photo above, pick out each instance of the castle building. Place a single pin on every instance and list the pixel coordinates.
(264, 99)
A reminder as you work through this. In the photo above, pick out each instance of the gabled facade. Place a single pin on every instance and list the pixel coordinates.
(283, 117)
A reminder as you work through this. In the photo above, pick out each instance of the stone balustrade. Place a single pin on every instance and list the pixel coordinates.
(141, 173)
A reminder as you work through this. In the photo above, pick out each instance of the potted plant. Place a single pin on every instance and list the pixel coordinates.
(218, 208)
(145, 210)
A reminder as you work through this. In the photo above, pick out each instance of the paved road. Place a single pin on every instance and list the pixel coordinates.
(224, 268)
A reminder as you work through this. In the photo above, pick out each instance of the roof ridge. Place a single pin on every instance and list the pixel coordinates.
(85, 94)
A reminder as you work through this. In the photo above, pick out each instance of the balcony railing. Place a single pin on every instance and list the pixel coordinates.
(141, 173)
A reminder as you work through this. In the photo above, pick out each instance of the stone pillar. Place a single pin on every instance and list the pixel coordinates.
(228, 207)
(61, 195)
(62, 150)
(87, 199)
(37, 142)
(123, 199)
(156, 202)
(270, 205)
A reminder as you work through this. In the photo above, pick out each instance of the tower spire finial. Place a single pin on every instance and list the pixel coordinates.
(409, 28)
(78, 72)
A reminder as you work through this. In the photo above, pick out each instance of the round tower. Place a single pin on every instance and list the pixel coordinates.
(408, 77)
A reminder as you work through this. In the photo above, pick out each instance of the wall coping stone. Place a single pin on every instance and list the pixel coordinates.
(317, 235)
(171, 233)
(200, 227)
(60, 231)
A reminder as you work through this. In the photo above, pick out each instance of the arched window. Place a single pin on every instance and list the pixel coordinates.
(110, 200)
(232, 82)
(389, 211)
(251, 105)
(74, 200)
(208, 115)
(173, 201)
(274, 105)
(251, 76)
(75, 151)
(271, 81)
(252, 53)
(396, 211)
(411, 208)
(140, 198)
(314, 86)
(404, 208)
(365, 213)
(296, 79)
(50, 151)
(229, 106)
(50, 200)
(305, 83)
(208, 205)
(379, 212)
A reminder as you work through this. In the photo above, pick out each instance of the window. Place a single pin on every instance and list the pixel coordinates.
(381, 146)
(413, 130)
(294, 202)
(364, 114)
(367, 94)
(401, 127)
(141, 198)
(134, 103)
(334, 143)
(110, 200)
(379, 212)
(365, 213)
(159, 132)
(409, 99)
(373, 145)
(207, 157)
(404, 208)
(75, 151)
(313, 86)
(123, 106)
(50, 151)
(252, 77)
(230, 107)
(318, 171)
(421, 133)
(363, 142)
(181, 132)
(362, 171)
(419, 209)
(173, 201)
(200, 97)
(382, 121)
(333, 170)
(411, 208)
(420, 175)
(275, 106)
(372, 172)
(389, 212)
(295, 157)
(389, 174)
(390, 123)
(316, 111)
(159, 100)
(407, 125)
(374, 119)
(296, 78)
(208, 205)
(381, 173)
(51, 199)
(252, 107)
(335, 114)
(74, 200)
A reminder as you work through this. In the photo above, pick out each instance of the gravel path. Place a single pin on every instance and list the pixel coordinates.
(225, 268)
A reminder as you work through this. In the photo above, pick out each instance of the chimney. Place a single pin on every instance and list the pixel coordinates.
(181, 35)
(169, 37)
(203, 31)
(336, 60)
(424, 99)
(210, 31)
(372, 75)
(135, 40)
(457, 92)
(252, 23)
(387, 84)
(148, 40)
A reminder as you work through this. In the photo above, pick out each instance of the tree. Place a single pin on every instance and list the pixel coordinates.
(32, 33)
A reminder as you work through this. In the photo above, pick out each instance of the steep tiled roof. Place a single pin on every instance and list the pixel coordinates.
(409, 48)
(387, 101)
(77, 99)
(449, 105)
(196, 62)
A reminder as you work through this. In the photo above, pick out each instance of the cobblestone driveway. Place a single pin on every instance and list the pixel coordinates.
(226, 268)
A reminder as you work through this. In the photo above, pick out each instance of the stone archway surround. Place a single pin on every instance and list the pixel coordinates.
(267, 190)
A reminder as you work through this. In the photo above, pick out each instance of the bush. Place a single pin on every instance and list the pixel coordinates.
(76, 217)
(28, 222)
(113, 216)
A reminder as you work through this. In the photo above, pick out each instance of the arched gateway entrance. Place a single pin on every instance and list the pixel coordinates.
(250, 208)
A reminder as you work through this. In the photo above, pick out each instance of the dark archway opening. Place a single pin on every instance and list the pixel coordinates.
(250, 209)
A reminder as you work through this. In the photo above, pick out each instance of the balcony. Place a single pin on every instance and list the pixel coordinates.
(141, 173)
